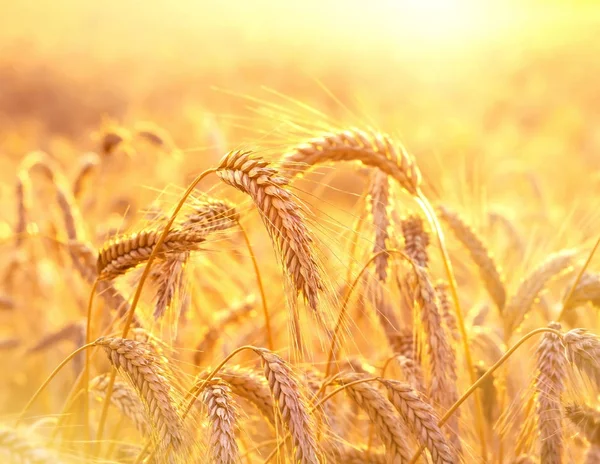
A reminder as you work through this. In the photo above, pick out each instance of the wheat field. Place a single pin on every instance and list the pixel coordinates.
(299, 233)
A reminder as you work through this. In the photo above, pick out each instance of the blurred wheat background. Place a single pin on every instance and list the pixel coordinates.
(124, 103)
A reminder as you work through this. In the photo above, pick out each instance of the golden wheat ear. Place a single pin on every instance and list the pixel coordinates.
(549, 385)
(222, 415)
(282, 217)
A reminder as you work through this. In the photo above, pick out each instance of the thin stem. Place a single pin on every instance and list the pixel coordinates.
(432, 218)
(579, 276)
(484, 377)
(260, 287)
(86, 368)
(49, 379)
(354, 243)
(138, 293)
(343, 311)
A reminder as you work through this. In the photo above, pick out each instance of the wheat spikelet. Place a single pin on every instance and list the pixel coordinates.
(137, 362)
(247, 384)
(381, 413)
(292, 406)
(593, 455)
(16, 448)
(583, 350)
(441, 289)
(520, 303)
(281, 215)
(416, 240)
(369, 147)
(421, 419)
(479, 253)
(587, 290)
(549, 385)
(586, 419)
(124, 399)
(404, 343)
(379, 201)
(222, 415)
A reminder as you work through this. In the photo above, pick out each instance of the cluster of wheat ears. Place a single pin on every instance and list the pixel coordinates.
(380, 364)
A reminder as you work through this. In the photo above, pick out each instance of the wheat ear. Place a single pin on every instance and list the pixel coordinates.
(222, 448)
(292, 405)
(587, 290)
(249, 385)
(16, 448)
(381, 413)
(520, 303)
(480, 254)
(586, 419)
(138, 363)
(349, 455)
(421, 419)
(124, 398)
(379, 201)
(583, 350)
(369, 147)
(281, 215)
(549, 384)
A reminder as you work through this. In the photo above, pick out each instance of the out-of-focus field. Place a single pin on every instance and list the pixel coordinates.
(499, 103)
